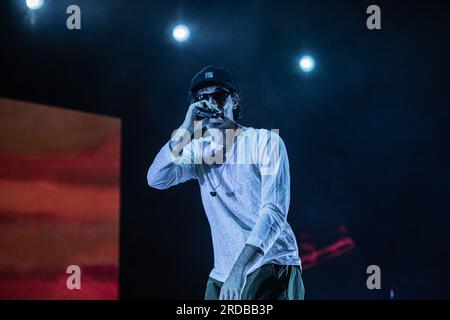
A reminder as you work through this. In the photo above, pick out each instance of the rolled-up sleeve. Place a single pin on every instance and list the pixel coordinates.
(168, 170)
(275, 193)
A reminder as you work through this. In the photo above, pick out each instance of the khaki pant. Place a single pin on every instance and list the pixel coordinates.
(268, 282)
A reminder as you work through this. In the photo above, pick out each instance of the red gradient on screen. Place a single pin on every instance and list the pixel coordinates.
(59, 203)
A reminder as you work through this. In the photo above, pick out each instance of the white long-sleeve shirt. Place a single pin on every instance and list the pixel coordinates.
(252, 195)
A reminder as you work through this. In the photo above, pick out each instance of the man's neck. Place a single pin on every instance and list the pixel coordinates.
(229, 131)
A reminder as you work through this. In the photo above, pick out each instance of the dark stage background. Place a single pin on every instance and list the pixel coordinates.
(367, 131)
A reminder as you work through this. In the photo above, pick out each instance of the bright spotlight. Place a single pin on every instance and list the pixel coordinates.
(307, 63)
(181, 33)
(34, 4)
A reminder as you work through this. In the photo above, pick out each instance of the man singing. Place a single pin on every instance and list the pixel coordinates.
(245, 188)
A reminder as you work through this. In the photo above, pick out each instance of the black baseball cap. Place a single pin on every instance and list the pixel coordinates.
(212, 75)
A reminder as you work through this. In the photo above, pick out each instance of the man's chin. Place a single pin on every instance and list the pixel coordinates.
(215, 122)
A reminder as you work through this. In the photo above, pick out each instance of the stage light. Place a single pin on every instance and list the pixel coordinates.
(307, 63)
(34, 4)
(181, 33)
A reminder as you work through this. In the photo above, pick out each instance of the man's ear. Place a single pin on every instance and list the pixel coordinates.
(235, 102)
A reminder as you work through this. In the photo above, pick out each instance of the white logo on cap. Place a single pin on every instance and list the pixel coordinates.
(209, 75)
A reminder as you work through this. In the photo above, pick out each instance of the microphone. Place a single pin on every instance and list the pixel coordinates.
(206, 113)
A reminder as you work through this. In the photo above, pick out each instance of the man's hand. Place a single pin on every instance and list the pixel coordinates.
(179, 138)
(194, 110)
(234, 285)
(232, 288)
